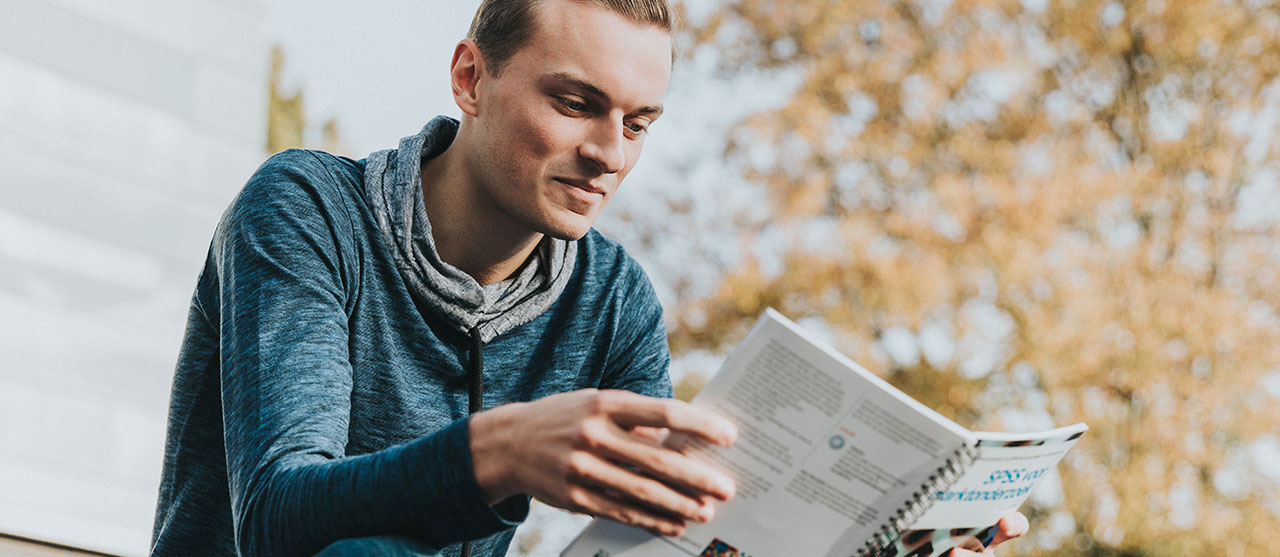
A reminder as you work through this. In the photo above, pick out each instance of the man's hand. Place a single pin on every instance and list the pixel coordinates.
(1009, 527)
(597, 452)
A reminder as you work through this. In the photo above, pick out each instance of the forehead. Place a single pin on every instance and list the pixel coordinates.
(628, 61)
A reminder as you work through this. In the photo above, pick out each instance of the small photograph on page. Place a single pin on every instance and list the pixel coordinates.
(923, 543)
(718, 548)
(1072, 436)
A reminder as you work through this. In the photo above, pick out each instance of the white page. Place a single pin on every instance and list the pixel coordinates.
(1008, 467)
(826, 451)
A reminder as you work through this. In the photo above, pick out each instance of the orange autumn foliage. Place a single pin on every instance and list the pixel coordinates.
(1077, 197)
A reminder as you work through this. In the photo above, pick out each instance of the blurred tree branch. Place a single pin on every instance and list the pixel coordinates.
(1035, 210)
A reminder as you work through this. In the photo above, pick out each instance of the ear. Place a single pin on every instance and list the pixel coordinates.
(464, 75)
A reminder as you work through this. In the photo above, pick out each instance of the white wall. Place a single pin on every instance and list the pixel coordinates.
(125, 128)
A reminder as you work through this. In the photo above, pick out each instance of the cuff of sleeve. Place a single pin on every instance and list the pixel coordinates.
(467, 514)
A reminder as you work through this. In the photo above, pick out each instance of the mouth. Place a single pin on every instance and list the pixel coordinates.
(584, 185)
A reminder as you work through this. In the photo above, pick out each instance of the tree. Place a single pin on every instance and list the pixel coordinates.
(287, 118)
(1033, 212)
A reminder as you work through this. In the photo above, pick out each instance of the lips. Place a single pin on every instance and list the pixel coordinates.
(584, 185)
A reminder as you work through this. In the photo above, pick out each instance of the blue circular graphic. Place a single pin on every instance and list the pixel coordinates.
(836, 441)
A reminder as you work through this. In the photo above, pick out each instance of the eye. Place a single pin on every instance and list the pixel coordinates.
(636, 128)
(573, 105)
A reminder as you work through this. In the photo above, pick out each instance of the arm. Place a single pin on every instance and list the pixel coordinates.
(285, 276)
(638, 355)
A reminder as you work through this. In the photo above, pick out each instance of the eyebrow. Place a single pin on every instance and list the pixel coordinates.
(654, 110)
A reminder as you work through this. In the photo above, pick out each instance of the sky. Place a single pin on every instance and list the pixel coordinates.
(379, 68)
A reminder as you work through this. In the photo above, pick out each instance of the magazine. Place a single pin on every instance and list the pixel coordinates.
(834, 461)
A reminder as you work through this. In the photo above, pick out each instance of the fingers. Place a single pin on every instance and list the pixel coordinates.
(600, 503)
(654, 435)
(631, 410)
(622, 453)
(670, 467)
(601, 452)
(1010, 526)
(645, 419)
(630, 487)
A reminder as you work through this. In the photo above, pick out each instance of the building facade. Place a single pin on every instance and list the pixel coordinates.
(125, 129)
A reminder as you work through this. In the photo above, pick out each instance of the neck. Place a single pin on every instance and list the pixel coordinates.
(468, 232)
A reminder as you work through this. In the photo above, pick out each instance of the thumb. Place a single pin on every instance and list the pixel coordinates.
(1009, 527)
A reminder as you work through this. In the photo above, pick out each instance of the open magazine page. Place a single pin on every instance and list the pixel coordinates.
(825, 452)
(1007, 468)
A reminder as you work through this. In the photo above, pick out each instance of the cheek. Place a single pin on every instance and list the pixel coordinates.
(542, 132)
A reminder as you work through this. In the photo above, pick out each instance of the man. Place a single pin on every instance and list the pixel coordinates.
(400, 351)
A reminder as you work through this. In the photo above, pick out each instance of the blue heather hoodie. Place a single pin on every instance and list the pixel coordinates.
(314, 401)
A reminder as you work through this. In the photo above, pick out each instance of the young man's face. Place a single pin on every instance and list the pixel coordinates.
(565, 119)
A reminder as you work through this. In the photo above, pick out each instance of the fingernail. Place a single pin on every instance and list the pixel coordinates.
(725, 487)
(706, 513)
(728, 434)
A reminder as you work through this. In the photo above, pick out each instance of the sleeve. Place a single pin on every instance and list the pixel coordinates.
(639, 355)
(286, 270)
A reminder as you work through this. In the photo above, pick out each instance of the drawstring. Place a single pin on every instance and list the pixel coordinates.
(475, 397)
(475, 374)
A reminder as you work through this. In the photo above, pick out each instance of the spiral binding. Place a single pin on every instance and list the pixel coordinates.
(920, 501)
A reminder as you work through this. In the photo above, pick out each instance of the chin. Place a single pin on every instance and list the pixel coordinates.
(568, 234)
(569, 229)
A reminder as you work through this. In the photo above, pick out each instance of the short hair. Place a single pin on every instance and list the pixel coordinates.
(501, 27)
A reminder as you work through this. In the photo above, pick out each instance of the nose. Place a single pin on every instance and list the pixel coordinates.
(604, 146)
